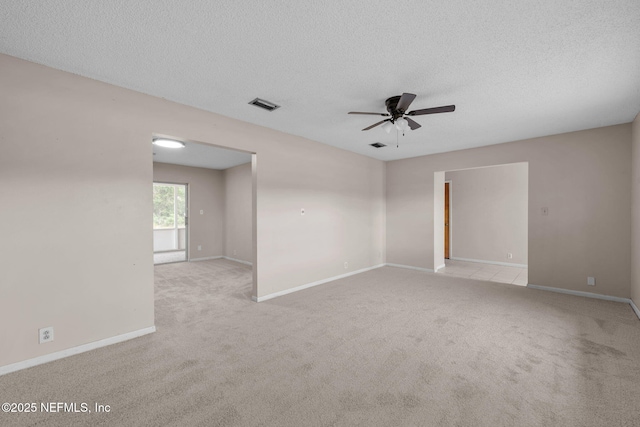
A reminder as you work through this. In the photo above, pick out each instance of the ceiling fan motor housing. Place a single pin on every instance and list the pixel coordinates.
(392, 104)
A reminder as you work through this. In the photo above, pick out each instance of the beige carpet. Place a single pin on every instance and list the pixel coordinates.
(389, 347)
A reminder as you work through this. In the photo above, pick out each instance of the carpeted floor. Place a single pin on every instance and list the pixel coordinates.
(390, 347)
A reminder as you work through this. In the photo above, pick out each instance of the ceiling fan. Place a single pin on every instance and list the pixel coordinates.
(397, 107)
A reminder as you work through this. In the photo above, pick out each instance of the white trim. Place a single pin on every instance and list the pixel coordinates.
(169, 250)
(74, 350)
(205, 258)
(237, 260)
(635, 308)
(410, 267)
(506, 264)
(439, 267)
(220, 257)
(309, 285)
(580, 293)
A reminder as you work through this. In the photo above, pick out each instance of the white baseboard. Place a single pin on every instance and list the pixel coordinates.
(629, 301)
(220, 257)
(309, 285)
(580, 293)
(205, 258)
(238, 260)
(410, 267)
(74, 350)
(635, 308)
(506, 264)
(439, 267)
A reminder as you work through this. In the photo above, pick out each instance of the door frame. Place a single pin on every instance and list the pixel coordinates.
(448, 220)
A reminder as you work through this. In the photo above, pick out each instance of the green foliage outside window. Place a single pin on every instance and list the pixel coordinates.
(164, 199)
(181, 202)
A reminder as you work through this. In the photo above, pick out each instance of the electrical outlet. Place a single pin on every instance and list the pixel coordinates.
(45, 334)
(302, 211)
(346, 265)
(591, 281)
(235, 252)
(509, 255)
(199, 247)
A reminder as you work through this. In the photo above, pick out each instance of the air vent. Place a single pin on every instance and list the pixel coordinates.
(269, 106)
(377, 145)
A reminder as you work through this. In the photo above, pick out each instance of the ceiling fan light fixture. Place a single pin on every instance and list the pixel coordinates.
(168, 143)
(387, 126)
(401, 123)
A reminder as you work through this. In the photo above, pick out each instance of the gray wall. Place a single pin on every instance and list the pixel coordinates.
(489, 213)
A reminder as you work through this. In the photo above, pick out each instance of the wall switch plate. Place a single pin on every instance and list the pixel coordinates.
(591, 281)
(544, 211)
(346, 265)
(45, 334)
(509, 255)
(201, 211)
(235, 252)
(199, 247)
(302, 211)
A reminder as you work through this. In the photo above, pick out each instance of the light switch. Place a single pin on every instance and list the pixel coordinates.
(201, 211)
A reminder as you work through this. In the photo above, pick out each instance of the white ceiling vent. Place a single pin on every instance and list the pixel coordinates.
(269, 106)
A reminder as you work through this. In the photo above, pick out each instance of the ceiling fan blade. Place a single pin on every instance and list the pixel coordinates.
(445, 109)
(376, 124)
(412, 123)
(373, 114)
(405, 100)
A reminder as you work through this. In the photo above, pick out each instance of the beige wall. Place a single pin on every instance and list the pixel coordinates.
(489, 213)
(635, 226)
(77, 156)
(206, 193)
(238, 225)
(584, 178)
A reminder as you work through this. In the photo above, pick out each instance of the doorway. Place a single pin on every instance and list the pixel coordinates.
(220, 202)
(489, 211)
(170, 223)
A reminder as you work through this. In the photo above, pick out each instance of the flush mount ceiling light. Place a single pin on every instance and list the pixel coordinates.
(168, 143)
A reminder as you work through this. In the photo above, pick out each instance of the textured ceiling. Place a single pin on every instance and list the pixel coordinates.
(514, 69)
